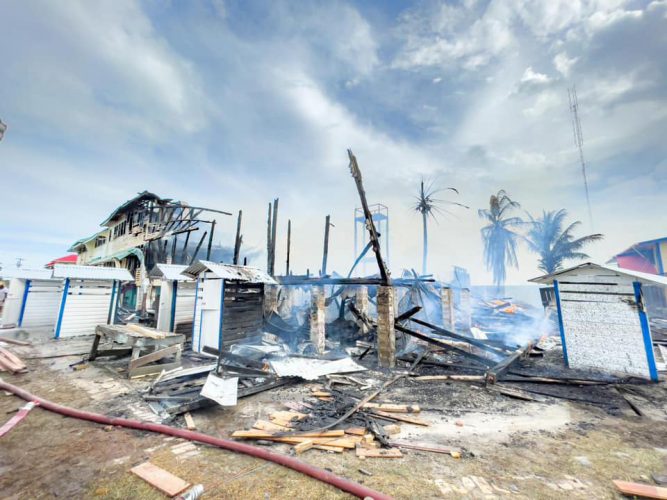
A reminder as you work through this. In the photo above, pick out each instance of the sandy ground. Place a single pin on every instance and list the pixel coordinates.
(513, 448)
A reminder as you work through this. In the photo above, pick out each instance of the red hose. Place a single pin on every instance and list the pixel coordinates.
(351, 487)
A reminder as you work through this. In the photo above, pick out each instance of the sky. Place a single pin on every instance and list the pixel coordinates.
(229, 104)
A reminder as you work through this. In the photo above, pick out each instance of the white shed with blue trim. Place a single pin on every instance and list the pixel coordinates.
(177, 298)
(33, 298)
(602, 319)
(89, 298)
(229, 304)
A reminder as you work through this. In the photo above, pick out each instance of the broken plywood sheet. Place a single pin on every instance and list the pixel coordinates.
(311, 369)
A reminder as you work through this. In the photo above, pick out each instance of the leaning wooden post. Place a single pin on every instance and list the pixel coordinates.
(210, 241)
(274, 226)
(289, 242)
(325, 253)
(238, 240)
(386, 336)
(317, 318)
(447, 302)
(268, 242)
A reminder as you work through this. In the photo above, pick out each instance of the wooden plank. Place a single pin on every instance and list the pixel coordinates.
(379, 453)
(164, 481)
(400, 418)
(303, 446)
(189, 422)
(640, 490)
(434, 448)
(143, 371)
(626, 289)
(262, 434)
(356, 431)
(393, 408)
(154, 356)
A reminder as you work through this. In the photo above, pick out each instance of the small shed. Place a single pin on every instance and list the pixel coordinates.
(89, 298)
(229, 304)
(33, 298)
(602, 319)
(176, 304)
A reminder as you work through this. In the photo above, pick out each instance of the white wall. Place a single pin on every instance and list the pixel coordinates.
(601, 323)
(86, 306)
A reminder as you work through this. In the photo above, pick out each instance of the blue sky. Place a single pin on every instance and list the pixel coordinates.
(230, 104)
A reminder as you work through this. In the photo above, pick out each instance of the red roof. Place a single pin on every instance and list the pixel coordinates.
(67, 259)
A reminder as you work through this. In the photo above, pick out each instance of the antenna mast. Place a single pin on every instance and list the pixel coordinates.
(579, 143)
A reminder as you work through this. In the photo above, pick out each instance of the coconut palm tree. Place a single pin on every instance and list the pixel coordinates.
(499, 236)
(427, 205)
(547, 238)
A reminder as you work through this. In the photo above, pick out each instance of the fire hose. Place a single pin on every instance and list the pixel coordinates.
(343, 484)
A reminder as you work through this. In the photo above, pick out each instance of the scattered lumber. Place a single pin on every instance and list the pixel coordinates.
(10, 362)
(164, 481)
(304, 446)
(379, 453)
(640, 490)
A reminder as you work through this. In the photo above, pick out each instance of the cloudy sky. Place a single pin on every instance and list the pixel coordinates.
(229, 104)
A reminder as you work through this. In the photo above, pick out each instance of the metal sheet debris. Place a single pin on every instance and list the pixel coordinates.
(310, 369)
(221, 390)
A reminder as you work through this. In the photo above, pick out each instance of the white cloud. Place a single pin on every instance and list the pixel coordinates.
(563, 63)
(532, 77)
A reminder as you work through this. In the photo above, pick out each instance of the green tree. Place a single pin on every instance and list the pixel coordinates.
(499, 235)
(547, 238)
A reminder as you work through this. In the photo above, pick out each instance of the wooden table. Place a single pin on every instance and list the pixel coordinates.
(158, 344)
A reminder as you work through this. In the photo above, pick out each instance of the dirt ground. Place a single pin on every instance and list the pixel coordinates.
(552, 449)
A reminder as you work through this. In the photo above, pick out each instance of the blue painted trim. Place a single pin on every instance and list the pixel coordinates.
(201, 321)
(194, 313)
(646, 332)
(62, 308)
(222, 313)
(113, 296)
(172, 319)
(560, 323)
(661, 267)
(24, 301)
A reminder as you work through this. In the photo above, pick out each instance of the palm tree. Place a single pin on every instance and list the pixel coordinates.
(547, 238)
(427, 205)
(500, 239)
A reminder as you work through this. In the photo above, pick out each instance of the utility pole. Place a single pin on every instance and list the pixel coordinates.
(210, 241)
(3, 129)
(19, 261)
(274, 227)
(579, 143)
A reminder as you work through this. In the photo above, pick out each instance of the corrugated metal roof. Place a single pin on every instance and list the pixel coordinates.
(26, 274)
(652, 279)
(171, 272)
(230, 272)
(91, 272)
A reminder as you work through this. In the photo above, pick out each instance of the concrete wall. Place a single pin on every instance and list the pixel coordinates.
(601, 325)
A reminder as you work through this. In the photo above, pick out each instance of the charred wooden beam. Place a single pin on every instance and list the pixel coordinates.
(238, 240)
(501, 368)
(274, 227)
(269, 245)
(370, 224)
(444, 345)
(325, 252)
(210, 241)
(201, 241)
(289, 242)
(472, 341)
(408, 314)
